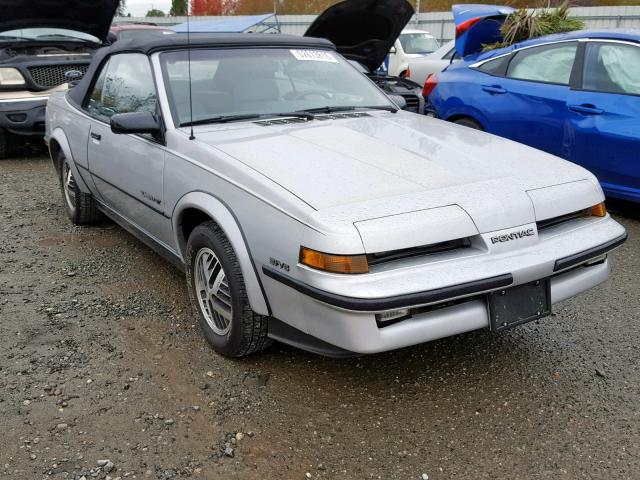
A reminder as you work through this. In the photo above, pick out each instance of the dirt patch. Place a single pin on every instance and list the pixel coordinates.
(101, 359)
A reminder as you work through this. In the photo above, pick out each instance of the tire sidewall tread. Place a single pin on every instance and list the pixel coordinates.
(248, 333)
(86, 208)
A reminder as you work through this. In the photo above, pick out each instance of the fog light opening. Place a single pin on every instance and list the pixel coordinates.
(17, 117)
(596, 261)
(392, 316)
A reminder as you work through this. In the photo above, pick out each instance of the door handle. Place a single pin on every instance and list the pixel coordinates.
(96, 136)
(586, 109)
(494, 89)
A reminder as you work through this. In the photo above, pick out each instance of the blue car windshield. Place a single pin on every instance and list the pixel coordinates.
(264, 81)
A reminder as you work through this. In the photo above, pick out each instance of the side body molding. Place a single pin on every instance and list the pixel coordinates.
(60, 138)
(223, 216)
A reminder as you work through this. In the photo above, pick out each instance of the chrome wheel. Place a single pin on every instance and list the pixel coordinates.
(212, 289)
(69, 187)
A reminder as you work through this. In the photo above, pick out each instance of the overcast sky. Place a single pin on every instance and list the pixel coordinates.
(138, 8)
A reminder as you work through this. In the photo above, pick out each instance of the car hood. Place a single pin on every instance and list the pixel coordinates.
(87, 16)
(351, 170)
(478, 25)
(363, 30)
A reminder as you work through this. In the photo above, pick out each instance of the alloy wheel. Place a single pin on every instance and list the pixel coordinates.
(69, 186)
(213, 291)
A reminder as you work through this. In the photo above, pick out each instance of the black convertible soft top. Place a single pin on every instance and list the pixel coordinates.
(180, 42)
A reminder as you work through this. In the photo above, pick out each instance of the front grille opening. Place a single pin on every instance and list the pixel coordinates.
(413, 103)
(49, 76)
(385, 257)
(429, 309)
(551, 222)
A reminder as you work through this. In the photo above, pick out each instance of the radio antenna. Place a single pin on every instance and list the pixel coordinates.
(191, 135)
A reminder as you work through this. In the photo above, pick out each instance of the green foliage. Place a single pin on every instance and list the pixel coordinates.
(178, 8)
(524, 25)
(154, 12)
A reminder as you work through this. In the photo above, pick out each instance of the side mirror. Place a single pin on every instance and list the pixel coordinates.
(136, 122)
(393, 50)
(399, 100)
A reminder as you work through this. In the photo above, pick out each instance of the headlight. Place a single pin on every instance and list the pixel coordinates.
(334, 263)
(11, 77)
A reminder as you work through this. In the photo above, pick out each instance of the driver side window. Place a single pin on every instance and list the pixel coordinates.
(125, 85)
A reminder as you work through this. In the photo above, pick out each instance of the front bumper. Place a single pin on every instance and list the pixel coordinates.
(23, 112)
(23, 116)
(447, 307)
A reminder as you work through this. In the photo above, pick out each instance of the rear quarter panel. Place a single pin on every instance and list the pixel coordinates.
(459, 93)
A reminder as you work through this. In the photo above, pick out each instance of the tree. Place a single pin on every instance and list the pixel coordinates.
(212, 7)
(179, 8)
(121, 11)
(252, 7)
(154, 12)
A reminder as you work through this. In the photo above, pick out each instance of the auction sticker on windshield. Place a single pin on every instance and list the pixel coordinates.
(314, 55)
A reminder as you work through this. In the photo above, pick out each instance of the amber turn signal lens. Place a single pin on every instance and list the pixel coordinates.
(334, 263)
(598, 210)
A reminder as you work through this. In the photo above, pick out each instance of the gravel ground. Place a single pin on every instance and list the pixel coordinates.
(104, 374)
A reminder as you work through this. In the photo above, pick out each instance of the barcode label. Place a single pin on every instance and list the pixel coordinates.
(314, 55)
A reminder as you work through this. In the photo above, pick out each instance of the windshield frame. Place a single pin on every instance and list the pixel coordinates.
(162, 65)
(17, 35)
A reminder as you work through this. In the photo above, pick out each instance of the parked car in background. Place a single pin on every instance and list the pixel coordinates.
(125, 31)
(575, 95)
(307, 208)
(379, 25)
(410, 45)
(41, 50)
(421, 68)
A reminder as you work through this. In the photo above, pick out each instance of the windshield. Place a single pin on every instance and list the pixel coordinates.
(418, 43)
(264, 81)
(47, 34)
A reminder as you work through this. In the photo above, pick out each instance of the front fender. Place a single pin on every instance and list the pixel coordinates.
(58, 136)
(226, 220)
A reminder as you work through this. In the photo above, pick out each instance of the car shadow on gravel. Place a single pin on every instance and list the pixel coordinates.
(20, 147)
(624, 208)
(467, 359)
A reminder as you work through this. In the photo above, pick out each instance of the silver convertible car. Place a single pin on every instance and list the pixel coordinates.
(305, 207)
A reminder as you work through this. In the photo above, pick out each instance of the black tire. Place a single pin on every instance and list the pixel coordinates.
(3, 144)
(247, 331)
(468, 122)
(80, 207)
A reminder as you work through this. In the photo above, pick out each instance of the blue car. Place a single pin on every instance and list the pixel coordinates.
(575, 95)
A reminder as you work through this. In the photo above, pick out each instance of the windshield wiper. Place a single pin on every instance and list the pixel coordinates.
(11, 37)
(248, 116)
(220, 119)
(346, 108)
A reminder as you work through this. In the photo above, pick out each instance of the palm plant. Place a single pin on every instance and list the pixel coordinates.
(525, 24)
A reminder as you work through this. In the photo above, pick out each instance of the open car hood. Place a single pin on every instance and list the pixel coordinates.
(363, 30)
(478, 25)
(92, 17)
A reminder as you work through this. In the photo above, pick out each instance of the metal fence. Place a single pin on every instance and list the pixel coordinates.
(440, 24)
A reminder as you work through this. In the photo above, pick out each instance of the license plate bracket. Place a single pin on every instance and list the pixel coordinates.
(517, 305)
